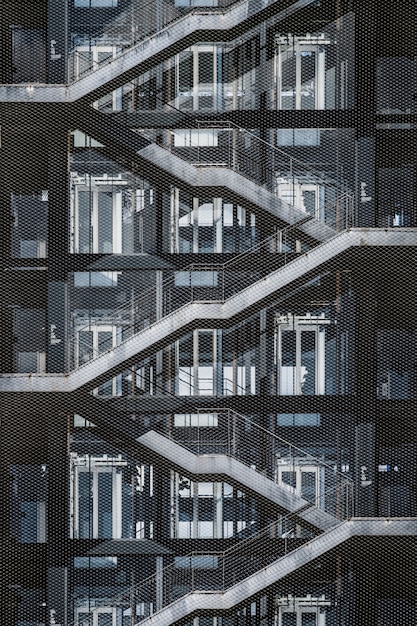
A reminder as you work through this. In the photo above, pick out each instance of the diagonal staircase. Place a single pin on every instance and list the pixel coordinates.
(232, 591)
(230, 449)
(239, 573)
(210, 466)
(223, 308)
(235, 172)
(239, 451)
(144, 46)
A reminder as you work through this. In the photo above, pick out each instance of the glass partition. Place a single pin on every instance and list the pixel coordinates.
(30, 225)
(310, 71)
(396, 85)
(112, 209)
(29, 503)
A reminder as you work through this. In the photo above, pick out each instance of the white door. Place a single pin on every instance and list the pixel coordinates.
(301, 615)
(309, 197)
(100, 616)
(84, 59)
(196, 78)
(96, 497)
(199, 376)
(306, 481)
(97, 219)
(300, 73)
(93, 340)
(300, 355)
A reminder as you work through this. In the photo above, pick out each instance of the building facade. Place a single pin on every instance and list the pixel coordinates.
(207, 394)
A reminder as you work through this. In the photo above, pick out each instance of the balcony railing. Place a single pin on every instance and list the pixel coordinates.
(296, 470)
(195, 283)
(203, 572)
(140, 21)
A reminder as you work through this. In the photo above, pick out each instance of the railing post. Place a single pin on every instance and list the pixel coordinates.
(228, 434)
(132, 599)
(158, 295)
(159, 583)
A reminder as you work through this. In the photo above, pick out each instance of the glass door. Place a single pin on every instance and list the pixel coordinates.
(100, 616)
(197, 363)
(97, 219)
(300, 72)
(300, 355)
(196, 78)
(303, 480)
(93, 340)
(84, 59)
(309, 197)
(96, 497)
(301, 615)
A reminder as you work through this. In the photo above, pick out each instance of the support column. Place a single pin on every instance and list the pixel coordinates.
(365, 390)
(366, 589)
(58, 516)
(365, 104)
(9, 594)
(57, 45)
(58, 249)
(159, 601)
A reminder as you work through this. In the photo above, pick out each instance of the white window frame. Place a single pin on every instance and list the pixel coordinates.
(116, 95)
(96, 329)
(287, 50)
(95, 466)
(196, 379)
(299, 468)
(300, 324)
(291, 191)
(300, 606)
(98, 186)
(195, 92)
(82, 612)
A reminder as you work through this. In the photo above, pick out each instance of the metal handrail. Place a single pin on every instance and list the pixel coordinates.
(219, 124)
(144, 298)
(258, 544)
(128, 29)
(267, 432)
(166, 283)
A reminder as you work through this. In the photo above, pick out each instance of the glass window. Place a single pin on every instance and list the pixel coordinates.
(298, 137)
(30, 225)
(301, 354)
(298, 419)
(196, 279)
(196, 3)
(195, 138)
(95, 3)
(97, 497)
(200, 561)
(81, 140)
(88, 562)
(95, 279)
(195, 420)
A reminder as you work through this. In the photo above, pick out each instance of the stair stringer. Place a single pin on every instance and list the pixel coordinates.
(231, 181)
(153, 49)
(203, 467)
(218, 602)
(158, 334)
